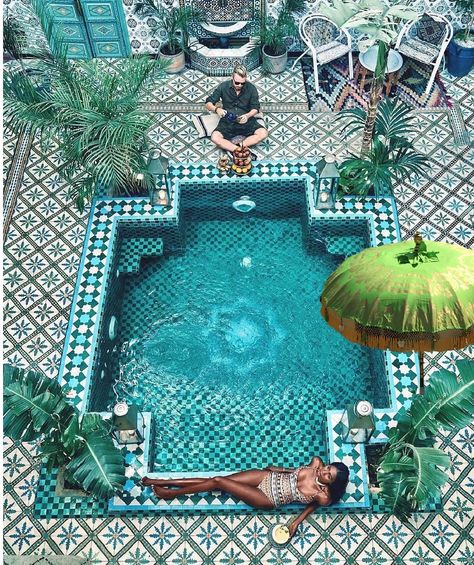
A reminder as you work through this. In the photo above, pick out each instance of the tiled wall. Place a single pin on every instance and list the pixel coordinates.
(143, 42)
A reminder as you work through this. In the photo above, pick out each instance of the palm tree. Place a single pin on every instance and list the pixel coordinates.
(391, 156)
(378, 23)
(92, 108)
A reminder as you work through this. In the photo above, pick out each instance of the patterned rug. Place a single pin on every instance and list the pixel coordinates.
(337, 92)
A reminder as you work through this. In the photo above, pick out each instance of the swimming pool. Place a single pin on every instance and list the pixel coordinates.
(124, 233)
(221, 337)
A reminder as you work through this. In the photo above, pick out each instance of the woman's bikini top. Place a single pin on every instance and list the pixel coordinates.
(282, 488)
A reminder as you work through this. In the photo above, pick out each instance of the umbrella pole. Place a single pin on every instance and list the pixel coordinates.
(422, 372)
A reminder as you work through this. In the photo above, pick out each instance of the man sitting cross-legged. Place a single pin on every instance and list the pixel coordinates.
(240, 98)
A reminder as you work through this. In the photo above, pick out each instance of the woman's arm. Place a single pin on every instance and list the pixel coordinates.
(279, 469)
(316, 462)
(297, 521)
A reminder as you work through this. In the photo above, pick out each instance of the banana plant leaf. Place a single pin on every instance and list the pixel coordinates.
(448, 404)
(410, 477)
(33, 405)
(99, 467)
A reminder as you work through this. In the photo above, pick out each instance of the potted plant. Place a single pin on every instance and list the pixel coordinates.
(391, 157)
(409, 472)
(35, 407)
(174, 24)
(93, 109)
(460, 51)
(275, 34)
(377, 21)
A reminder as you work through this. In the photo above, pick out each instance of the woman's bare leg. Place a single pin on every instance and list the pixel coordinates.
(249, 494)
(253, 477)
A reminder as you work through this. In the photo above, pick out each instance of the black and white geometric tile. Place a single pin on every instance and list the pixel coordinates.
(41, 257)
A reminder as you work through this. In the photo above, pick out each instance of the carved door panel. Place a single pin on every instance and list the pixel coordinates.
(92, 28)
(106, 27)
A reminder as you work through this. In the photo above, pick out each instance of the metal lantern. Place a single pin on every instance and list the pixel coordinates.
(160, 192)
(325, 192)
(128, 423)
(358, 422)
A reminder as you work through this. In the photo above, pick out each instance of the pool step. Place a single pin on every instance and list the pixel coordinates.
(344, 245)
(134, 248)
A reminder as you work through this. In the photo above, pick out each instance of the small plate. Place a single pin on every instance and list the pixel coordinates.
(279, 535)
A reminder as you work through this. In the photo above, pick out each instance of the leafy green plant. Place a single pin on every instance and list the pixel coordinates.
(378, 22)
(409, 472)
(94, 112)
(392, 157)
(466, 6)
(174, 22)
(35, 408)
(274, 33)
(14, 36)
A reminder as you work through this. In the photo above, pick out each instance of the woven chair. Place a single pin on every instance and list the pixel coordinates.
(325, 41)
(425, 40)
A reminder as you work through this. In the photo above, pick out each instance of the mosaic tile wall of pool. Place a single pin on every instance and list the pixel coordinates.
(87, 362)
(225, 342)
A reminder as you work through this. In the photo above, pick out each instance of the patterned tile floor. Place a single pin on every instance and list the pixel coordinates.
(41, 256)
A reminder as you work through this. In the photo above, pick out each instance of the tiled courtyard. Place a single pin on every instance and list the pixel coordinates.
(43, 246)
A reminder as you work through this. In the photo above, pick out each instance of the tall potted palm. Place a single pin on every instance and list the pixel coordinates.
(378, 23)
(410, 471)
(94, 111)
(391, 156)
(174, 23)
(35, 408)
(275, 34)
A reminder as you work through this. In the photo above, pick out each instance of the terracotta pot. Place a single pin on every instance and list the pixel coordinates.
(176, 62)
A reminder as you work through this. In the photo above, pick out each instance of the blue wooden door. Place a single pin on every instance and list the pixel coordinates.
(92, 28)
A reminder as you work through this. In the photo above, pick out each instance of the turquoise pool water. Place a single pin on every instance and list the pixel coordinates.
(225, 345)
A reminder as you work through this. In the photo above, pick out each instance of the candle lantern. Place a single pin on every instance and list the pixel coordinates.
(358, 422)
(128, 424)
(160, 192)
(328, 181)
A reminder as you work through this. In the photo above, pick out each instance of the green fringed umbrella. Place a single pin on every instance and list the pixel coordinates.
(404, 297)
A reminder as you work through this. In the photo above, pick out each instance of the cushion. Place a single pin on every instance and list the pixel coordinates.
(207, 123)
(335, 50)
(429, 30)
(418, 50)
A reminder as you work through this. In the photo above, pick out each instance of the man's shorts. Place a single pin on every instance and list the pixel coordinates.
(232, 129)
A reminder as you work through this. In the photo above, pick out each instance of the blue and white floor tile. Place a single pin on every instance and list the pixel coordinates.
(42, 251)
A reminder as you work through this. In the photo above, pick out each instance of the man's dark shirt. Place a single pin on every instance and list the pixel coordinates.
(246, 101)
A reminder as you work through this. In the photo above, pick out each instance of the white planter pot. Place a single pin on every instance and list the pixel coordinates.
(274, 65)
(176, 62)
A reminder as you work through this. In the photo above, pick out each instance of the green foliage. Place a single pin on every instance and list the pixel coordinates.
(98, 466)
(374, 19)
(465, 6)
(91, 108)
(94, 112)
(392, 156)
(35, 408)
(274, 33)
(14, 36)
(410, 472)
(174, 22)
(32, 405)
